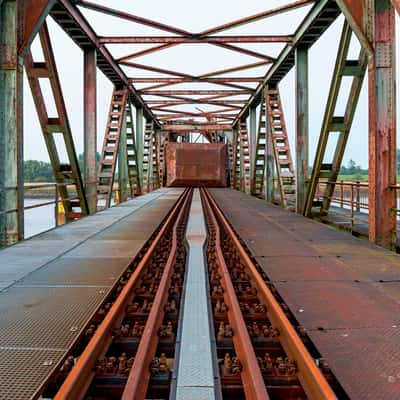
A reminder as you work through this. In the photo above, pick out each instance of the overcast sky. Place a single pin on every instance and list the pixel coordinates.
(197, 59)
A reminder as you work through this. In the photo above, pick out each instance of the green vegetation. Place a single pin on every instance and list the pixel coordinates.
(41, 171)
(38, 171)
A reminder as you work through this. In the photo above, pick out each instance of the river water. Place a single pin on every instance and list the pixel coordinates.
(38, 219)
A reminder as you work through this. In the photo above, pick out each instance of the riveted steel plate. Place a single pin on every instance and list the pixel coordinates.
(365, 361)
(78, 271)
(22, 371)
(46, 317)
(196, 164)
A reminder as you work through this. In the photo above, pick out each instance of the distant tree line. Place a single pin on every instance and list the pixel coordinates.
(41, 171)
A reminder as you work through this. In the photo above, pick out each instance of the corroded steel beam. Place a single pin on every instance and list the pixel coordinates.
(396, 4)
(186, 80)
(34, 12)
(90, 126)
(382, 126)
(257, 17)
(288, 53)
(194, 40)
(224, 93)
(197, 127)
(102, 52)
(356, 15)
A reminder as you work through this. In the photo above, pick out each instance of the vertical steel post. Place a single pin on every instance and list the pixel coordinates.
(123, 177)
(382, 125)
(302, 126)
(252, 138)
(90, 127)
(139, 142)
(270, 161)
(11, 128)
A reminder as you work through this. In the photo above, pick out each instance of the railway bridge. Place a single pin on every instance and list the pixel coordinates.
(203, 255)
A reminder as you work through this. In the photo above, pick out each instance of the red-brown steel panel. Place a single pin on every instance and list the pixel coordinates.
(196, 164)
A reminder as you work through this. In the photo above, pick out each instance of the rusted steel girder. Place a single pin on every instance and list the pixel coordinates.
(396, 4)
(102, 52)
(356, 14)
(196, 127)
(382, 125)
(33, 13)
(204, 39)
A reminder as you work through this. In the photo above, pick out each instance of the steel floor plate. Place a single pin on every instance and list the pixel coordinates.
(33, 366)
(42, 314)
(344, 290)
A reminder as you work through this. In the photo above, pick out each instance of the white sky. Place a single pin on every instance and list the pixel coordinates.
(197, 59)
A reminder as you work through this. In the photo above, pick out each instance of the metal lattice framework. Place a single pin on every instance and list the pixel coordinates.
(177, 102)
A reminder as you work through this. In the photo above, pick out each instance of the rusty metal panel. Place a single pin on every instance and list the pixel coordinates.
(370, 370)
(196, 164)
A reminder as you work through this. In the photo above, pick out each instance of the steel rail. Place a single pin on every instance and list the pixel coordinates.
(252, 379)
(311, 378)
(139, 376)
(79, 379)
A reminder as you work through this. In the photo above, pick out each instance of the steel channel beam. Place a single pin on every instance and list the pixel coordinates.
(252, 379)
(102, 52)
(123, 177)
(252, 138)
(205, 39)
(382, 126)
(11, 126)
(286, 54)
(139, 142)
(356, 13)
(90, 126)
(310, 376)
(302, 126)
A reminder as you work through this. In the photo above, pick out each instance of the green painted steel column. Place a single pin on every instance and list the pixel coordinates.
(11, 128)
(270, 160)
(302, 127)
(90, 126)
(252, 140)
(123, 177)
(139, 142)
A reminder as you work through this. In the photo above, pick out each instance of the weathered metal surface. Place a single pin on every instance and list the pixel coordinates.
(11, 136)
(90, 126)
(192, 164)
(338, 124)
(302, 126)
(382, 126)
(34, 12)
(371, 370)
(329, 281)
(42, 314)
(67, 174)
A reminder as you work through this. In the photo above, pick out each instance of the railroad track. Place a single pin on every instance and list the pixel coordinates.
(143, 342)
